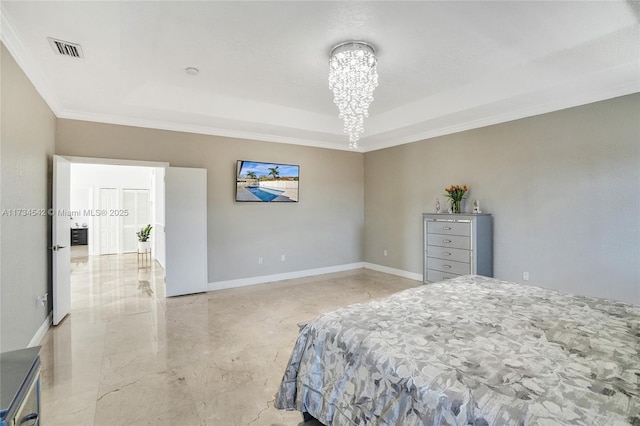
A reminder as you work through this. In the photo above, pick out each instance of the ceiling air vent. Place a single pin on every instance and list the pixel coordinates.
(65, 48)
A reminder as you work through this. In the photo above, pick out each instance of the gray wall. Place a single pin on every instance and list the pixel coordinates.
(26, 145)
(325, 228)
(564, 190)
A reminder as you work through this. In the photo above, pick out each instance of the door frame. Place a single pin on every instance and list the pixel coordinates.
(107, 161)
(114, 161)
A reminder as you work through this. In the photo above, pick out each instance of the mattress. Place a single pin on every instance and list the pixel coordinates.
(469, 351)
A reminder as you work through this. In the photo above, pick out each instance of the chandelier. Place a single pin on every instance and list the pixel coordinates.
(352, 78)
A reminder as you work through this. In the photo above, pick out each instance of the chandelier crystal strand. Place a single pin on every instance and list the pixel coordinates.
(353, 78)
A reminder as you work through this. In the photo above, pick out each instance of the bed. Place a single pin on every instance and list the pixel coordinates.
(469, 351)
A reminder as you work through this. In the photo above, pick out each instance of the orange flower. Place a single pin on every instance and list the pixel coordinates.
(456, 192)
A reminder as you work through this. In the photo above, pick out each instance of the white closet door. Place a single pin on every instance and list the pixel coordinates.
(143, 207)
(129, 222)
(138, 203)
(108, 223)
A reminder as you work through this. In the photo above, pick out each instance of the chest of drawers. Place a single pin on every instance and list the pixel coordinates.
(457, 244)
(79, 236)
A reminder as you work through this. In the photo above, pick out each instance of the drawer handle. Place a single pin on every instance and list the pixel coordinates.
(446, 253)
(446, 266)
(446, 228)
(446, 241)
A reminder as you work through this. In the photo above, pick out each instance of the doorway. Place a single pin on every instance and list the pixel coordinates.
(111, 203)
(182, 253)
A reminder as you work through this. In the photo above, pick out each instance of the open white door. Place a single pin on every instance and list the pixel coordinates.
(61, 238)
(186, 230)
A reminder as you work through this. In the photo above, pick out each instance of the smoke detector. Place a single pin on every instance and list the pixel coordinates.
(65, 48)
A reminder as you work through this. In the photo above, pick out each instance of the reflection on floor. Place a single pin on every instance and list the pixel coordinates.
(79, 256)
(128, 356)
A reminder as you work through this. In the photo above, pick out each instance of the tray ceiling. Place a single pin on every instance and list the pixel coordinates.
(263, 66)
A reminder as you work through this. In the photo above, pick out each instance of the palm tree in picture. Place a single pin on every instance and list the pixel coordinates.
(273, 171)
(251, 175)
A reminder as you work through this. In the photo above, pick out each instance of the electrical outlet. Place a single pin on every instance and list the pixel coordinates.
(259, 261)
(385, 252)
(283, 258)
(42, 300)
(525, 276)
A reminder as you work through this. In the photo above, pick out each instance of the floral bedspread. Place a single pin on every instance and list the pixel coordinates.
(469, 351)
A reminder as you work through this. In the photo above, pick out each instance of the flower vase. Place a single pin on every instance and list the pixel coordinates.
(455, 206)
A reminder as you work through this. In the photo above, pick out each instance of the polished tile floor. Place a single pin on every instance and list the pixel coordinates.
(126, 355)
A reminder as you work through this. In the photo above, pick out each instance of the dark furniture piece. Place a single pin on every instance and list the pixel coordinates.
(79, 236)
(20, 387)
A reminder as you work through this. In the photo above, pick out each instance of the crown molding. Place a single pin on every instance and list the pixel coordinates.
(370, 142)
(25, 62)
(203, 130)
(559, 104)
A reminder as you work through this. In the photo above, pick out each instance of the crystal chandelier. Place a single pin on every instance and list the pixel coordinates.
(352, 78)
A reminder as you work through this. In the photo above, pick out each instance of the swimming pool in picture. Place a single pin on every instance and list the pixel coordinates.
(265, 194)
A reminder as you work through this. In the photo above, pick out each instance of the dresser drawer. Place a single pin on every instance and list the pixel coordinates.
(454, 241)
(79, 236)
(456, 244)
(458, 268)
(433, 276)
(449, 228)
(448, 253)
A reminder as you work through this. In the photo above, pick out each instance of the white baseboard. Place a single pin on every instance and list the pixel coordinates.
(393, 271)
(220, 285)
(37, 338)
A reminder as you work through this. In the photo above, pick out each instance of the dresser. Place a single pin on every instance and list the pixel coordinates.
(457, 244)
(79, 236)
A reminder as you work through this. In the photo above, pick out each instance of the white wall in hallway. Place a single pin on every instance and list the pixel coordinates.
(157, 215)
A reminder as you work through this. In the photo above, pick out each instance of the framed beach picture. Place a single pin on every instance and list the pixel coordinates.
(266, 182)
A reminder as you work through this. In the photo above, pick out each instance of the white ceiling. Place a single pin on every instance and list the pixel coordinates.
(443, 66)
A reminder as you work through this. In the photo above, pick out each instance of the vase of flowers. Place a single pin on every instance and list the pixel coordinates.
(455, 193)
